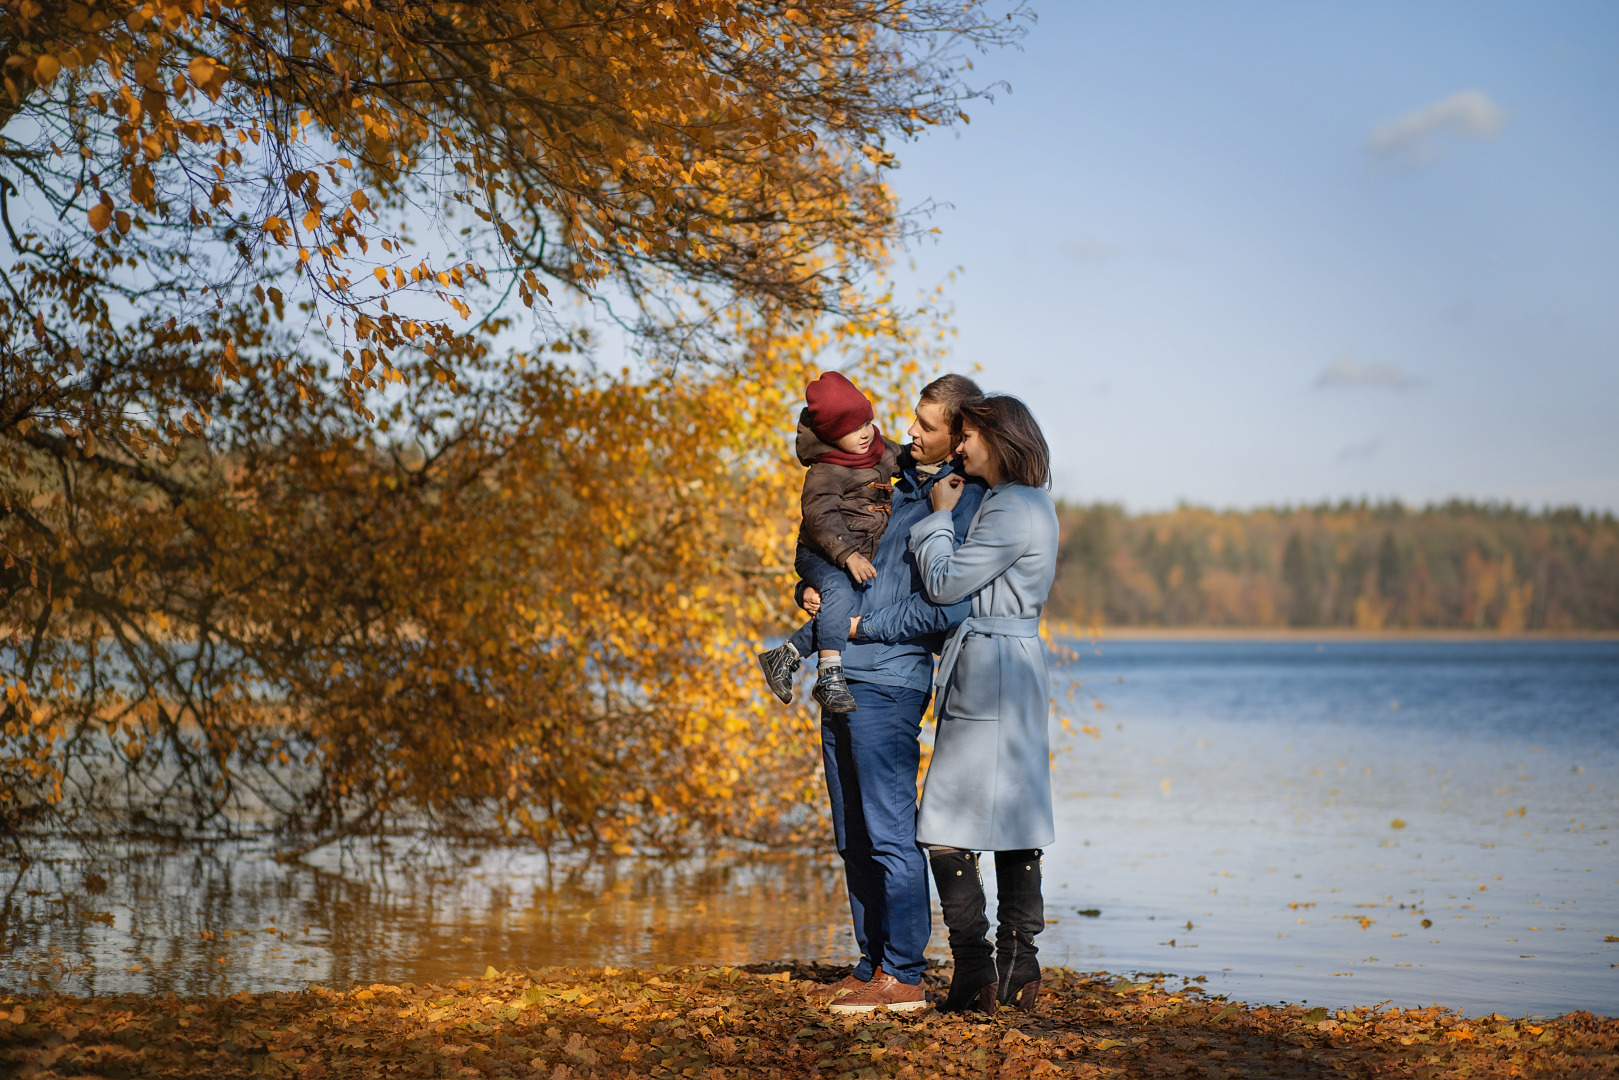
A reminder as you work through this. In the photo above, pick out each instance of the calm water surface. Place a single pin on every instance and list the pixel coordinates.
(1350, 821)
(1280, 818)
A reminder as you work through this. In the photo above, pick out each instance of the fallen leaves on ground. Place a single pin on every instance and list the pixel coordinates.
(714, 1023)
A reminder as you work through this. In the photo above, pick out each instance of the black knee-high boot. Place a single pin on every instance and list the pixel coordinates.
(1020, 914)
(961, 895)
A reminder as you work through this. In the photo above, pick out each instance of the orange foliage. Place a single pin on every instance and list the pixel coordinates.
(1367, 567)
(726, 1022)
(290, 536)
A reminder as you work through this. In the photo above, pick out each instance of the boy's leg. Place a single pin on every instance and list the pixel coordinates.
(831, 629)
(806, 564)
(837, 601)
(804, 639)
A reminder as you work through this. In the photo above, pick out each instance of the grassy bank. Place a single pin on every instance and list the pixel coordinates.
(725, 1022)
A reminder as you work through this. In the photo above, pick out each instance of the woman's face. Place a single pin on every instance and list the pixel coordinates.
(976, 457)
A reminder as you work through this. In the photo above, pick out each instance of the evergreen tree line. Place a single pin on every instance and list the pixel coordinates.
(1366, 566)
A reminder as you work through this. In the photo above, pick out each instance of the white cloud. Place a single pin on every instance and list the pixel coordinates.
(1347, 371)
(1412, 138)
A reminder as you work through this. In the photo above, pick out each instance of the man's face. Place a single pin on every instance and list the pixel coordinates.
(930, 434)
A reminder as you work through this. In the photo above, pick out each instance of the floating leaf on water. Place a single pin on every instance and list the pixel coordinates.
(1397, 823)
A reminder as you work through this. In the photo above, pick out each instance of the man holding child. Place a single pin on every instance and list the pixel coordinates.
(871, 752)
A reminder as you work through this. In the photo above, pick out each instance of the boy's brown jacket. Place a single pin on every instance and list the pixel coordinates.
(845, 509)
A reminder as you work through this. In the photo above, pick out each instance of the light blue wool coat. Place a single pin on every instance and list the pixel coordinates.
(988, 786)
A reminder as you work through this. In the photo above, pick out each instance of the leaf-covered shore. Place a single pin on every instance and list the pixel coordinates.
(726, 1022)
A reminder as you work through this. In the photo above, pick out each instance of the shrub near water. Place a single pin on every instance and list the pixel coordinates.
(1457, 565)
(721, 1023)
(543, 627)
(300, 526)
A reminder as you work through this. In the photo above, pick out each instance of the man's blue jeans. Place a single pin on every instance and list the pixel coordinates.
(871, 757)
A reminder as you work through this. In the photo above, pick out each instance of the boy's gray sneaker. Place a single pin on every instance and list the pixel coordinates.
(778, 665)
(832, 690)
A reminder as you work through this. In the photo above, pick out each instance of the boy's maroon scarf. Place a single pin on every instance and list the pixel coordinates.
(873, 454)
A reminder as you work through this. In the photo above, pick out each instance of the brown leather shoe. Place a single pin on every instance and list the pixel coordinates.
(845, 986)
(883, 992)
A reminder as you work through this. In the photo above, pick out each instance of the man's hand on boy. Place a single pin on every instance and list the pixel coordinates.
(810, 600)
(860, 568)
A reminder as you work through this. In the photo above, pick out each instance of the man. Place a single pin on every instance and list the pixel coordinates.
(872, 753)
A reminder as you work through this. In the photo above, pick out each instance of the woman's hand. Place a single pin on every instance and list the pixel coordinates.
(854, 627)
(946, 493)
(811, 600)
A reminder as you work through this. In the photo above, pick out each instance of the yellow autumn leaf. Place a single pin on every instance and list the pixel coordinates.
(520, 628)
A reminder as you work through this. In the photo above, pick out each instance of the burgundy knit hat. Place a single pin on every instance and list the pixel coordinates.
(835, 406)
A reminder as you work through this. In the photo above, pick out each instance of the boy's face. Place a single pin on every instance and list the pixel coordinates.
(857, 441)
(930, 434)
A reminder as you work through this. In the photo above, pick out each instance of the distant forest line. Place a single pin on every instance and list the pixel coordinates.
(1365, 566)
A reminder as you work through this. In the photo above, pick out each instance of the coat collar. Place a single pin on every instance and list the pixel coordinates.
(919, 482)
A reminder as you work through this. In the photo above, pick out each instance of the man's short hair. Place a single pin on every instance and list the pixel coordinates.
(948, 392)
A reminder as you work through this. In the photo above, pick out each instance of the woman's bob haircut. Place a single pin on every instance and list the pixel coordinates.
(1013, 436)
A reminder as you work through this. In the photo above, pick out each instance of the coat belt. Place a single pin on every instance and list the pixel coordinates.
(988, 625)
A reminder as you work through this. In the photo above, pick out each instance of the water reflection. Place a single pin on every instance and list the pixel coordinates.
(1235, 820)
(228, 917)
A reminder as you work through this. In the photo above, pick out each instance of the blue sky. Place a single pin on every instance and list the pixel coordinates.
(1247, 253)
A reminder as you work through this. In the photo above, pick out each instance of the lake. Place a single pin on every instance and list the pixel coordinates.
(1335, 822)
(1350, 821)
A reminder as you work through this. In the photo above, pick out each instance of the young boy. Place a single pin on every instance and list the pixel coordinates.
(847, 496)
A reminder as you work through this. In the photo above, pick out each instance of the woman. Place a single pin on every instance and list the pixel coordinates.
(989, 783)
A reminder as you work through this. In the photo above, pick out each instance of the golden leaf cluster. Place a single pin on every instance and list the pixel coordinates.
(319, 508)
(183, 156)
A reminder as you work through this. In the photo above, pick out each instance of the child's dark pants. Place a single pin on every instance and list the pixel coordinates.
(830, 628)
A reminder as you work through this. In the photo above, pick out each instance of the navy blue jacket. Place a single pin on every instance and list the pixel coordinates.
(900, 629)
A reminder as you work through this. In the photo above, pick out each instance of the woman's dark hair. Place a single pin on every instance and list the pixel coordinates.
(1014, 438)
